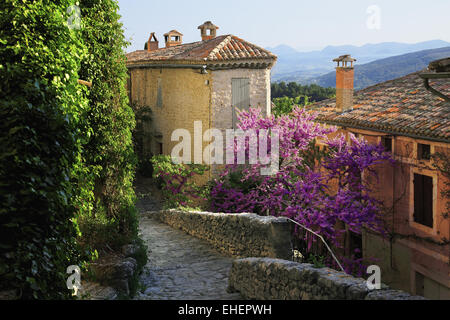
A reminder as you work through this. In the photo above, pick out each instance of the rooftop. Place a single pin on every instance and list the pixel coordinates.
(400, 107)
(222, 48)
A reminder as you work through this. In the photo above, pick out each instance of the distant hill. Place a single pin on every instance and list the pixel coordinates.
(301, 67)
(387, 69)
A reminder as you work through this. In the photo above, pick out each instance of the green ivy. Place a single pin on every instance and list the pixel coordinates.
(66, 153)
(40, 139)
(108, 155)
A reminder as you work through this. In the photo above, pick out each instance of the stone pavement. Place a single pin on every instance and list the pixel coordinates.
(181, 267)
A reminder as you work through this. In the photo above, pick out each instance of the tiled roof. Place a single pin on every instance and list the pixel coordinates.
(221, 48)
(401, 106)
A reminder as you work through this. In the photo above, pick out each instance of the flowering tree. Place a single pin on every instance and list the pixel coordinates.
(318, 191)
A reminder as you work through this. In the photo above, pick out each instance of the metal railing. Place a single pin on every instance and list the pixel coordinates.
(323, 241)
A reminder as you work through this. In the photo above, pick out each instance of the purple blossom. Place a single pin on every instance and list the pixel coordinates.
(300, 192)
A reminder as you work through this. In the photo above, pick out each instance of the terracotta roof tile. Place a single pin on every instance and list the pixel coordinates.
(225, 47)
(401, 105)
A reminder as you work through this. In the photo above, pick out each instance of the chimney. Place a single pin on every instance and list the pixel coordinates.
(173, 38)
(208, 30)
(152, 43)
(344, 83)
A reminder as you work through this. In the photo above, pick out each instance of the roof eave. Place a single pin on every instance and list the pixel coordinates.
(360, 126)
(256, 63)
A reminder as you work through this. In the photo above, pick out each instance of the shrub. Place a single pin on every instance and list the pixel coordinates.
(176, 181)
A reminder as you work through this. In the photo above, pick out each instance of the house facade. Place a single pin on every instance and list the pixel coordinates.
(413, 124)
(205, 81)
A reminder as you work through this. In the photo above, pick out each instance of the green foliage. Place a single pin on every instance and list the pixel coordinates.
(66, 157)
(285, 105)
(293, 90)
(108, 155)
(286, 97)
(316, 260)
(40, 139)
(176, 181)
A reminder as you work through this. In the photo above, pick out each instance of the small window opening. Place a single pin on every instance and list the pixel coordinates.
(387, 143)
(356, 244)
(423, 200)
(423, 151)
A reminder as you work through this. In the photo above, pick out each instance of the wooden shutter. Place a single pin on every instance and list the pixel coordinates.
(423, 200)
(240, 92)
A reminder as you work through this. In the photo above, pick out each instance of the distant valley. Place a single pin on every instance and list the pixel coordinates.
(375, 62)
(386, 69)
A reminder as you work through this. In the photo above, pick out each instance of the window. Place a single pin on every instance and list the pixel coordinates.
(355, 244)
(423, 151)
(423, 200)
(387, 143)
(240, 92)
(160, 148)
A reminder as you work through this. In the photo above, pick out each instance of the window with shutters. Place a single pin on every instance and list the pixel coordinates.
(423, 200)
(240, 93)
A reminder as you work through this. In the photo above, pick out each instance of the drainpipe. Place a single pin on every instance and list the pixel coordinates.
(426, 76)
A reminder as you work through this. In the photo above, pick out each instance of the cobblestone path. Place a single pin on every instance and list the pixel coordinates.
(180, 267)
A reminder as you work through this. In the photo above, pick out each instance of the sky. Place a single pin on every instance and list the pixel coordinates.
(303, 25)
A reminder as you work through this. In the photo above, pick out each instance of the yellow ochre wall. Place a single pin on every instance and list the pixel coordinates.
(185, 97)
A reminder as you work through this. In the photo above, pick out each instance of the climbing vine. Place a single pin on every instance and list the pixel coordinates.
(41, 137)
(66, 158)
(107, 215)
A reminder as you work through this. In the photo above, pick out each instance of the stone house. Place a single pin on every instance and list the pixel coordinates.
(205, 81)
(412, 122)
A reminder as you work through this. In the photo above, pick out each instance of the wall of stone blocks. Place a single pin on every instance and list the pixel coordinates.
(238, 235)
(221, 98)
(275, 279)
(221, 93)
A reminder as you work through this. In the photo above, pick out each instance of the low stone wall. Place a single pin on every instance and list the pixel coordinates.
(239, 235)
(274, 279)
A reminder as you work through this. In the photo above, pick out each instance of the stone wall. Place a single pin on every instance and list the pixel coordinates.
(273, 279)
(221, 95)
(239, 235)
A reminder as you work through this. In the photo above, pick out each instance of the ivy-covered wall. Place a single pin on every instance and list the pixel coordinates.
(41, 105)
(66, 156)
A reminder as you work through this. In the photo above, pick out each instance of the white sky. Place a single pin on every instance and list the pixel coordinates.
(304, 25)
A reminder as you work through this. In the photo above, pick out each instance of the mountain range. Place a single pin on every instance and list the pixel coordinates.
(387, 69)
(308, 67)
